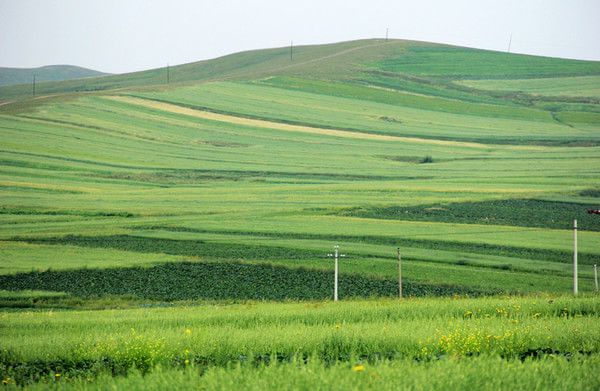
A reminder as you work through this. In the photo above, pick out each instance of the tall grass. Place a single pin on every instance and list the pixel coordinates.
(92, 343)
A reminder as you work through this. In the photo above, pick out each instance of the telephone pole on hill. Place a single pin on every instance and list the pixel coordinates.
(386, 34)
(509, 43)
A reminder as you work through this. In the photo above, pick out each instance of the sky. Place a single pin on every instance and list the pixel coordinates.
(120, 36)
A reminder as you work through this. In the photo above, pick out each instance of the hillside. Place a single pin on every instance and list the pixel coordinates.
(14, 76)
(473, 162)
(152, 234)
(345, 61)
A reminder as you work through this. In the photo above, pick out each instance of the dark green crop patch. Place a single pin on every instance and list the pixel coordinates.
(590, 193)
(218, 281)
(520, 213)
(550, 255)
(63, 212)
(193, 248)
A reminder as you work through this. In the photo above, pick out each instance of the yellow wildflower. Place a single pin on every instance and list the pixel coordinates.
(358, 368)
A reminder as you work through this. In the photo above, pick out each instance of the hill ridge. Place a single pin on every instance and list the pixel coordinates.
(56, 72)
(318, 61)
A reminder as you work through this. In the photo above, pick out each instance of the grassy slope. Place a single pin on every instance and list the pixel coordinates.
(582, 86)
(457, 63)
(240, 65)
(13, 76)
(334, 62)
(242, 193)
(102, 167)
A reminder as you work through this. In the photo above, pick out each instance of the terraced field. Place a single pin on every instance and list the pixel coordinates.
(234, 182)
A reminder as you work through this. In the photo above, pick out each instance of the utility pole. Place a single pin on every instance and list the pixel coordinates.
(336, 254)
(596, 277)
(386, 34)
(509, 42)
(291, 50)
(399, 274)
(575, 257)
(33, 86)
(336, 273)
(168, 71)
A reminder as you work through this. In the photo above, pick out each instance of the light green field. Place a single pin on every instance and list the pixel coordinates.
(98, 166)
(236, 181)
(585, 86)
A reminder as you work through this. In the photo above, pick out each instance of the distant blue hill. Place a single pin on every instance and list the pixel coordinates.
(12, 76)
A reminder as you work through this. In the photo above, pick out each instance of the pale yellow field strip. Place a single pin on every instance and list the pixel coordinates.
(49, 187)
(171, 108)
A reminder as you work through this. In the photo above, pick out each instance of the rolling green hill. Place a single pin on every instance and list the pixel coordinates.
(13, 76)
(449, 153)
(346, 61)
(235, 66)
(147, 228)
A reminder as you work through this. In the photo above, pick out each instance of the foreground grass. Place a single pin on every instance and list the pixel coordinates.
(314, 342)
(548, 373)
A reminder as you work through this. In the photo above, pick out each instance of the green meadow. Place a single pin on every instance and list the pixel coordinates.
(534, 343)
(231, 184)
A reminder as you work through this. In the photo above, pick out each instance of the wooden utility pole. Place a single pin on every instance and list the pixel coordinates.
(575, 288)
(399, 274)
(509, 42)
(386, 34)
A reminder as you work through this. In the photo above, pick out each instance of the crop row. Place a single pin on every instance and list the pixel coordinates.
(433, 244)
(192, 248)
(520, 213)
(217, 281)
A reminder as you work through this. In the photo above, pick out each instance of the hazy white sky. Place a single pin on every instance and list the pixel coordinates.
(129, 35)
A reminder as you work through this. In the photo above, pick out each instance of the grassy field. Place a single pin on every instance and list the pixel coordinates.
(516, 342)
(582, 86)
(121, 193)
